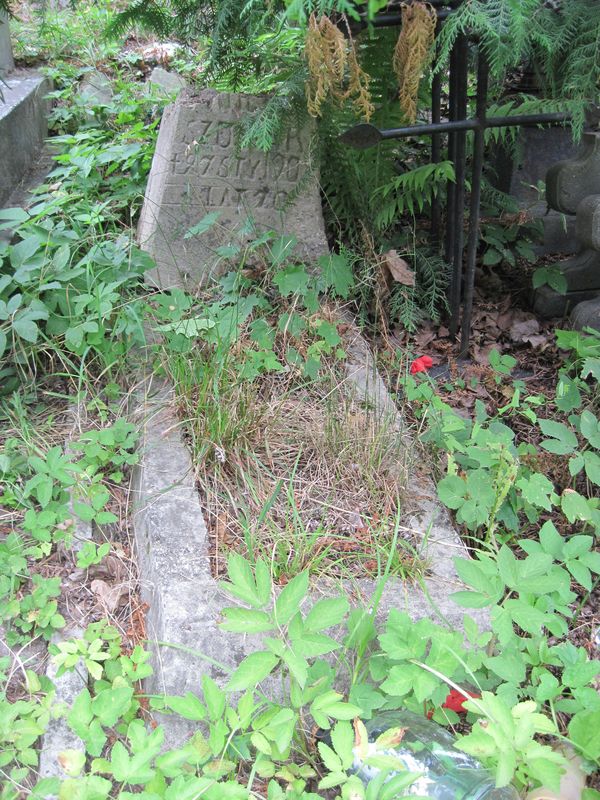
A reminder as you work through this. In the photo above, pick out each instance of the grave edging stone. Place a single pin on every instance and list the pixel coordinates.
(185, 601)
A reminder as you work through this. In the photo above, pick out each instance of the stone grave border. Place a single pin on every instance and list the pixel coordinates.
(185, 601)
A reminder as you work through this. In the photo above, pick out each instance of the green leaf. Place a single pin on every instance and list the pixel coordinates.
(214, 697)
(537, 490)
(292, 594)
(243, 620)
(331, 760)
(252, 670)
(526, 616)
(326, 613)
(592, 466)
(452, 491)
(281, 250)
(26, 328)
(188, 706)
(584, 732)
(590, 428)
(563, 441)
(242, 580)
(337, 273)
(342, 739)
(110, 705)
(204, 225)
(510, 668)
(292, 280)
(574, 506)
(591, 366)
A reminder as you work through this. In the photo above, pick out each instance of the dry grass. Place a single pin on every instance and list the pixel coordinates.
(316, 482)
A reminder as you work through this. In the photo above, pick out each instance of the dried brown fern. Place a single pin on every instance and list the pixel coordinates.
(413, 52)
(328, 55)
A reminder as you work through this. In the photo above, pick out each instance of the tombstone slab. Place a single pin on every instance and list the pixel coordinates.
(96, 88)
(586, 315)
(198, 169)
(569, 182)
(582, 271)
(6, 56)
(164, 82)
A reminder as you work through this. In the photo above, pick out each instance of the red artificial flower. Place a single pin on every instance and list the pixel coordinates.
(421, 364)
(454, 701)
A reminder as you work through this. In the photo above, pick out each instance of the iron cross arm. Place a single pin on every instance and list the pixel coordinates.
(364, 136)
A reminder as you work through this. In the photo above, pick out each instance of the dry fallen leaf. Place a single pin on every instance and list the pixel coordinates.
(536, 340)
(523, 328)
(109, 596)
(398, 268)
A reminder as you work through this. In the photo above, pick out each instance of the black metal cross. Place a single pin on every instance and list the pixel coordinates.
(462, 282)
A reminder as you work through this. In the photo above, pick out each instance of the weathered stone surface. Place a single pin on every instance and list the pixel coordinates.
(586, 315)
(164, 82)
(23, 126)
(196, 170)
(537, 148)
(518, 173)
(185, 601)
(588, 223)
(548, 304)
(569, 182)
(6, 56)
(96, 88)
(58, 736)
(581, 271)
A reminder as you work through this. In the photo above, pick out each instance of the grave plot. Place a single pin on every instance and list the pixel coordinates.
(290, 465)
(274, 439)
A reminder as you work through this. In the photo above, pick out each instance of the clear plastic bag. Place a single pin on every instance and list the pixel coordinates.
(427, 750)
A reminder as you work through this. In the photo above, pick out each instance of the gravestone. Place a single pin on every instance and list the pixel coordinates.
(164, 82)
(587, 315)
(96, 88)
(537, 148)
(6, 57)
(198, 169)
(573, 187)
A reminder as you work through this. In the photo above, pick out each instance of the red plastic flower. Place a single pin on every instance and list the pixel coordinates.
(421, 364)
(454, 701)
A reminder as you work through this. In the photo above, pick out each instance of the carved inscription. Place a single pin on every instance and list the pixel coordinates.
(198, 169)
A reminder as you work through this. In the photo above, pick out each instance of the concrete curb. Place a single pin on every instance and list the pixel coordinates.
(171, 539)
(23, 126)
